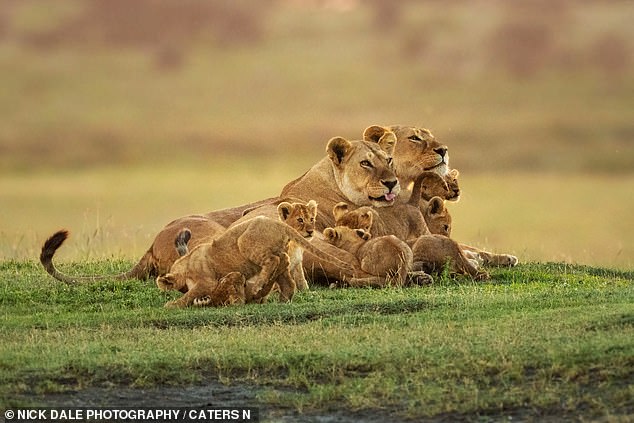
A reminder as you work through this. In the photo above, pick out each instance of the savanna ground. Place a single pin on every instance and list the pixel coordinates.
(111, 131)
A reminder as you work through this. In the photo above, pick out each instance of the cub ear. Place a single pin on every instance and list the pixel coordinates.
(454, 173)
(436, 205)
(363, 234)
(284, 209)
(312, 206)
(381, 135)
(165, 282)
(340, 210)
(337, 149)
(366, 220)
(331, 234)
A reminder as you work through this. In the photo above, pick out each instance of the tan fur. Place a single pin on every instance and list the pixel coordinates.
(228, 291)
(452, 185)
(385, 256)
(157, 259)
(404, 219)
(445, 187)
(437, 217)
(357, 172)
(435, 189)
(257, 248)
(300, 217)
(433, 252)
(417, 150)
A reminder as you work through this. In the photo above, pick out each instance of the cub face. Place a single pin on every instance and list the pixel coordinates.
(453, 186)
(300, 217)
(346, 238)
(360, 218)
(437, 217)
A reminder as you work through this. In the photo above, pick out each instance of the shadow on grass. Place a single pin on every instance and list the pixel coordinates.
(357, 313)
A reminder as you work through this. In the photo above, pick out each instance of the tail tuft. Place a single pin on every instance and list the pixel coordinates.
(51, 245)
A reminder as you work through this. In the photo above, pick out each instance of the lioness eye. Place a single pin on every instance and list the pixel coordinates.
(300, 220)
(366, 163)
(415, 138)
(389, 161)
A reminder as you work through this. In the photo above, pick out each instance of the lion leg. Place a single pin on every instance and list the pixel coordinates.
(434, 251)
(272, 268)
(324, 272)
(297, 275)
(404, 267)
(491, 259)
(287, 285)
(200, 290)
(362, 281)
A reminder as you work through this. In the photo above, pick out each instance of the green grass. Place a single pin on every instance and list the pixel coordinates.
(537, 340)
(116, 212)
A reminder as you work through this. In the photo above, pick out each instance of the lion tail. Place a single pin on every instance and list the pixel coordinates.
(145, 268)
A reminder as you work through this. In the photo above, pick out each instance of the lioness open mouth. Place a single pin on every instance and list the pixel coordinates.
(389, 197)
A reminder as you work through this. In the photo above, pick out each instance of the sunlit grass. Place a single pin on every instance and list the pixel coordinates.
(118, 211)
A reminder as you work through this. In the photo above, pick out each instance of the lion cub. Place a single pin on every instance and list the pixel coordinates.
(300, 217)
(385, 256)
(430, 251)
(258, 249)
(435, 191)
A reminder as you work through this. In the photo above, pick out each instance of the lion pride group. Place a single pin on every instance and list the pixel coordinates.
(370, 213)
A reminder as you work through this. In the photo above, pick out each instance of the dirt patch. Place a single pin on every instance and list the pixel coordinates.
(210, 395)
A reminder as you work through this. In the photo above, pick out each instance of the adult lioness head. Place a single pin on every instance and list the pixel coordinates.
(416, 151)
(363, 170)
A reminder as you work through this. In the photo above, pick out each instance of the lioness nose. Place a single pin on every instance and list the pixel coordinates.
(441, 151)
(389, 184)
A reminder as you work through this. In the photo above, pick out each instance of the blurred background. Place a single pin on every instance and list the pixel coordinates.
(118, 116)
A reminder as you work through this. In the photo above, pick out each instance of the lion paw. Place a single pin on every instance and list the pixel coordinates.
(202, 301)
(419, 278)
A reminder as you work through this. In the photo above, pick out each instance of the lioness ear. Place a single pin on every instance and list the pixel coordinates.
(337, 149)
(374, 133)
(381, 135)
(284, 209)
(436, 205)
(340, 210)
